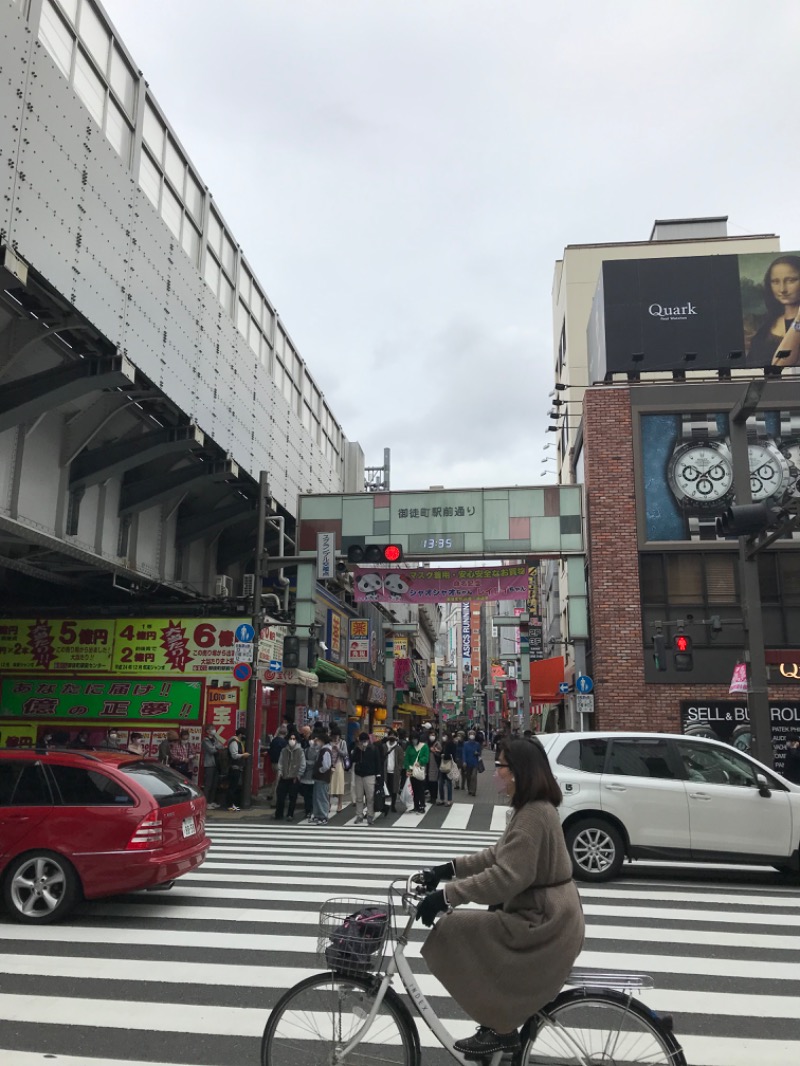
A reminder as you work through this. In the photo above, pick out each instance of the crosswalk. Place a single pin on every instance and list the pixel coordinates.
(476, 818)
(187, 977)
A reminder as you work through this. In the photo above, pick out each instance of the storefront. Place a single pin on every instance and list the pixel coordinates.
(76, 681)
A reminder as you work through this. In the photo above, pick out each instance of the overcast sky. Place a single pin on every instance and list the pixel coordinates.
(402, 175)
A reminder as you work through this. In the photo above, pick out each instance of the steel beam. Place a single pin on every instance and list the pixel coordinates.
(27, 398)
(106, 460)
(147, 492)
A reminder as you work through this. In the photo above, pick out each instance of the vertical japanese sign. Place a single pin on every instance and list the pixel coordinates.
(358, 641)
(475, 640)
(335, 635)
(222, 709)
(326, 556)
(536, 629)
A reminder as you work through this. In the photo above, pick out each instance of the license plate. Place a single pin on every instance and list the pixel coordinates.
(189, 828)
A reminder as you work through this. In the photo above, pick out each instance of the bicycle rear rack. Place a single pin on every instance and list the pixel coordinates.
(609, 979)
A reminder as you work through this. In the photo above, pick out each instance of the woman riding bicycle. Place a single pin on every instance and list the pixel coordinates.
(501, 965)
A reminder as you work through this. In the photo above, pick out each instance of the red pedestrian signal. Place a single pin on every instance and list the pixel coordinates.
(682, 657)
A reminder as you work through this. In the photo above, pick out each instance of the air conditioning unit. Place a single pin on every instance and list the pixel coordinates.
(223, 586)
(248, 585)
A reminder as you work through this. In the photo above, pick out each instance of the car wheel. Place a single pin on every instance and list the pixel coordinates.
(596, 849)
(40, 887)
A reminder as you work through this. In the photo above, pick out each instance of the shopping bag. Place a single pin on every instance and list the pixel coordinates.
(406, 796)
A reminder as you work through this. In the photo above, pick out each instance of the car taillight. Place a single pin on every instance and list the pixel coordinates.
(149, 834)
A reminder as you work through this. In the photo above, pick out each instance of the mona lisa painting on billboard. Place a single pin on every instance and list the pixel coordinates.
(770, 287)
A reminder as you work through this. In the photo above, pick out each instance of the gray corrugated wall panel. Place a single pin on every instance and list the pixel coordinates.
(14, 49)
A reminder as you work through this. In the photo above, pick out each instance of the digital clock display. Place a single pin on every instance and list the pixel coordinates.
(436, 542)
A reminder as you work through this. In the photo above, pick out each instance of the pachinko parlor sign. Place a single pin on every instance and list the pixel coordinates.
(447, 585)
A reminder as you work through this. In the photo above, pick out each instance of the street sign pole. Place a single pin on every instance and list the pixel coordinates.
(252, 694)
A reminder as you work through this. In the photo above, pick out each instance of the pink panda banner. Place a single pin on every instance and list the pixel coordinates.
(447, 585)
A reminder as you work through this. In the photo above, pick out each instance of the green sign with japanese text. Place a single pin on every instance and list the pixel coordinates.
(105, 700)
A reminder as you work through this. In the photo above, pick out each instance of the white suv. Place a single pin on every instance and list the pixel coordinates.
(662, 796)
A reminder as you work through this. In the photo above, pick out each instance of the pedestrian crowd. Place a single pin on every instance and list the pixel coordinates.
(315, 764)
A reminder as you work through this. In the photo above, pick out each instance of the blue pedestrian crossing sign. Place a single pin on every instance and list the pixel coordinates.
(584, 684)
(245, 633)
(563, 688)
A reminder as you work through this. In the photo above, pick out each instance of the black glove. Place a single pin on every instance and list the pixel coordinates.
(434, 903)
(429, 878)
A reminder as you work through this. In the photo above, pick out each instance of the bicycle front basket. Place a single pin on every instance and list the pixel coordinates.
(353, 934)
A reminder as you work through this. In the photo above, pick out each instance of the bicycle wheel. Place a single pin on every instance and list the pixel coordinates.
(600, 1027)
(315, 1020)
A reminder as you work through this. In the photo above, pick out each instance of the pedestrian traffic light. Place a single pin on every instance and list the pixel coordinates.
(660, 651)
(291, 652)
(682, 657)
(374, 553)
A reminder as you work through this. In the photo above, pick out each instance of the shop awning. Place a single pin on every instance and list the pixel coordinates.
(295, 677)
(414, 708)
(362, 677)
(326, 671)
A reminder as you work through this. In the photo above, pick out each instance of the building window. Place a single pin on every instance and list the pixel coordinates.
(56, 38)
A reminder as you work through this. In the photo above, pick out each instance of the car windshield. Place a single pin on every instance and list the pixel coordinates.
(163, 784)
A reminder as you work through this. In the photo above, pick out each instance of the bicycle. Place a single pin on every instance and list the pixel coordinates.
(354, 1016)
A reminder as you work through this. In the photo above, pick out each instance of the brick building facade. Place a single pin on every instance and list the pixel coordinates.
(620, 643)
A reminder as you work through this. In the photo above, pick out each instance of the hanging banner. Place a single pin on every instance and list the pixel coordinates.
(102, 699)
(441, 586)
(739, 679)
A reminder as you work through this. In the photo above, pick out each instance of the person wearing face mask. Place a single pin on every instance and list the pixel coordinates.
(366, 759)
(417, 755)
(446, 758)
(291, 767)
(472, 753)
(392, 763)
(532, 933)
(323, 769)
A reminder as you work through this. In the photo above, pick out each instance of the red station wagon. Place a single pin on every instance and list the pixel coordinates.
(87, 824)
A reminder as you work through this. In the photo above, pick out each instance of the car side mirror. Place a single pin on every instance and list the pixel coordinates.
(763, 787)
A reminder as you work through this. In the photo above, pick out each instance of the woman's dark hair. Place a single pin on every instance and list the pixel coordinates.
(775, 307)
(533, 778)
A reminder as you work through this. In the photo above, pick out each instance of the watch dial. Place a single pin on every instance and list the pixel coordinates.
(766, 474)
(703, 474)
(791, 451)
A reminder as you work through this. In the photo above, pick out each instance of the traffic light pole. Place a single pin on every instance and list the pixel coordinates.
(252, 694)
(750, 590)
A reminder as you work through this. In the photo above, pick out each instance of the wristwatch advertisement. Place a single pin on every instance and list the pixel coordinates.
(700, 474)
(700, 469)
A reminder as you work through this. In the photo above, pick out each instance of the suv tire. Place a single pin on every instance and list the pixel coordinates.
(596, 849)
(40, 887)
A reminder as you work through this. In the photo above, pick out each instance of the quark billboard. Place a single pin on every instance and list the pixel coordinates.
(687, 469)
(696, 313)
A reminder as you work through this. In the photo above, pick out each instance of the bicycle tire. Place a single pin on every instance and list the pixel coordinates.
(606, 1026)
(326, 1010)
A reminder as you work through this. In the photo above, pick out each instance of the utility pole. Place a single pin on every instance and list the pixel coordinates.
(750, 590)
(259, 569)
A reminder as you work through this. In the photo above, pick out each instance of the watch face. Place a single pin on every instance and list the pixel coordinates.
(701, 474)
(791, 451)
(769, 472)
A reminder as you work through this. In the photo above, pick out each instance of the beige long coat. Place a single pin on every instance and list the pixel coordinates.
(502, 965)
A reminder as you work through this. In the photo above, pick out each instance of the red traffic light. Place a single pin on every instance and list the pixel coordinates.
(374, 553)
(682, 643)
